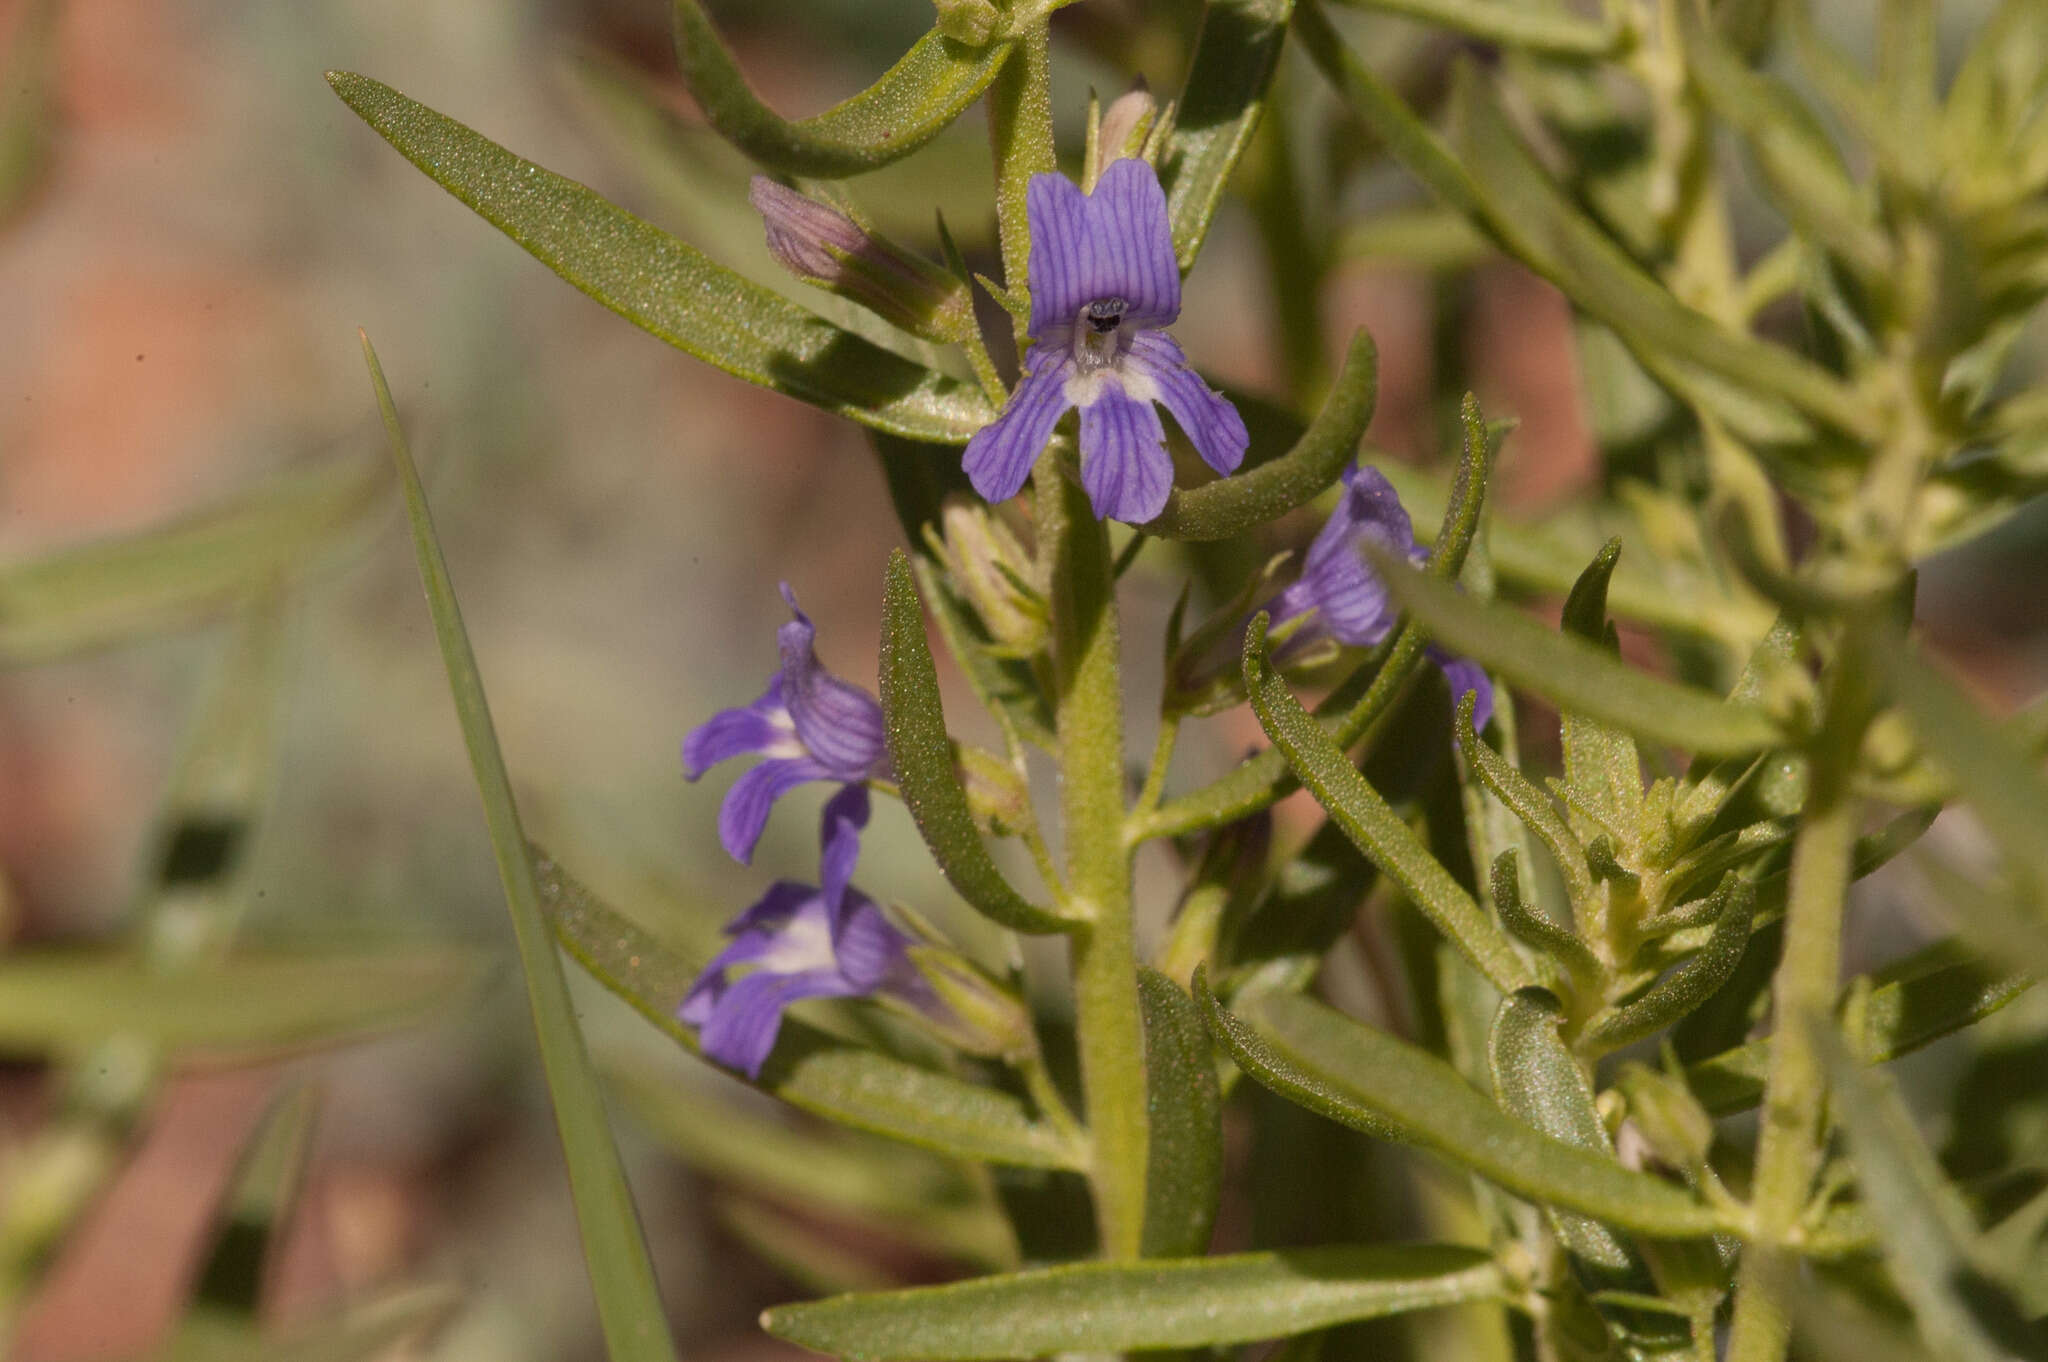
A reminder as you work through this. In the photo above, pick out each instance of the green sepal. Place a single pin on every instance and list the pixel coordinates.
(1232, 506)
(1142, 1306)
(930, 86)
(810, 1069)
(1370, 1081)
(667, 287)
(922, 755)
(1184, 1170)
(1371, 823)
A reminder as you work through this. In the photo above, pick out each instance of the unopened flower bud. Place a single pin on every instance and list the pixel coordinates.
(823, 246)
(996, 794)
(1126, 122)
(972, 1012)
(973, 22)
(991, 570)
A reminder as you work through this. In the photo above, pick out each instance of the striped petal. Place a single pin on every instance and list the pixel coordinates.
(1204, 415)
(1124, 464)
(999, 457)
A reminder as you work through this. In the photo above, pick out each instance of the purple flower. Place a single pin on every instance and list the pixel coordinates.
(809, 724)
(800, 942)
(1343, 598)
(1104, 284)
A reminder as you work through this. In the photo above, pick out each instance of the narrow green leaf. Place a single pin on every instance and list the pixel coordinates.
(1371, 1081)
(902, 1194)
(1231, 506)
(259, 1204)
(1933, 1249)
(1575, 675)
(1372, 824)
(1510, 23)
(667, 287)
(103, 593)
(2000, 779)
(614, 1252)
(1601, 765)
(1119, 1307)
(1504, 192)
(1538, 932)
(1693, 982)
(1184, 1171)
(1537, 1079)
(56, 1002)
(1219, 109)
(809, 1069)
(933, 84)
(1934, 992)
(1529, 804)
(922, 756)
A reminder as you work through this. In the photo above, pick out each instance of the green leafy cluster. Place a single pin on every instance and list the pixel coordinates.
(1584, 979)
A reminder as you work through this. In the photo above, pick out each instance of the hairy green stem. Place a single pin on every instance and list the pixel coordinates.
(1089, 710)
(1020, 136)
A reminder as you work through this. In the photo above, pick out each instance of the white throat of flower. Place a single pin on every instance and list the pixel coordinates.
(1098, 340)
(804, 945)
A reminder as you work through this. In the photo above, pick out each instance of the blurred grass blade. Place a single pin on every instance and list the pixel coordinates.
(667, 287)
(1231, 506)
(922, 756)
(1119, 1307)
(1367, 1079)
(104, 593)
(57, 1002)
(901, 1193)
(1527, 24)
(614, 1251)
(809, 1069)
(28, 85)
(1184, 1169)
(1930, 1243)
(1219, 109)
(1575, 675)
(361, 1334)
(258, 1208)
(931, 85)
(1934, 992)
(1372, 824)
(1537, 1079)
(1999, 778)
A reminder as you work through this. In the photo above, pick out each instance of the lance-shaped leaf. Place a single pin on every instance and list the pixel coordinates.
(614, 1250)
(2000, 778)
(1219, 109)
(1934, 992)
(1371, 1081)
(1538, 932)
(1184, 1169)
(102, 593)
(1372, 824)
(1537, 1078)
(810, 1069)
(667, 287)
(1575, 675)
(1121, 1307)
(922, 756)
(1601, 766)
(1529, 804)
(1931, 1246)
(250, 1222)
(56, 1002)
(1228, 507)
(912, 103)
(1510, 23)
(1693, 982)
(1500, 187)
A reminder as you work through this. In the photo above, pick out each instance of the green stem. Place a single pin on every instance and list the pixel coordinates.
(1788, 1147)
(1020, 135)
(1089, 709)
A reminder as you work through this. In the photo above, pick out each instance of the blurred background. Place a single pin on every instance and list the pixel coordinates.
(194, 229)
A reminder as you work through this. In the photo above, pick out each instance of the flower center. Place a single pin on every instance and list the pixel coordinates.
(1095, 340)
